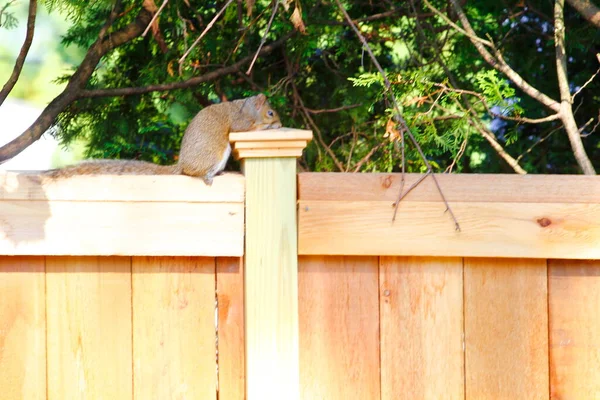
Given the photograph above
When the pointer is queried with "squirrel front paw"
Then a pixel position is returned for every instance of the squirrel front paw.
(208, 180)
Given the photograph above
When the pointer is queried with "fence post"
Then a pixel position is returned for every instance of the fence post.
(271, 261)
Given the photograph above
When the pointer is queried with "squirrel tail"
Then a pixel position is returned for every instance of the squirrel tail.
(113, 167)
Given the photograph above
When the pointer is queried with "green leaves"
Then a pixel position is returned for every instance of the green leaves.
(498, 92)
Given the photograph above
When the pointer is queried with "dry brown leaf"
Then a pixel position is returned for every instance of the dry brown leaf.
(150, 5)
(249, 7)
(286, 4)
(296, 19)
(391, 131)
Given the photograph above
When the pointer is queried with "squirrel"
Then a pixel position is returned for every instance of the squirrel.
(205, 146)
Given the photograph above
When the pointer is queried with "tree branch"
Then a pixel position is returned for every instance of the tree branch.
(481, 98)
(565, 95)
(14, 77)
(76, 82)
(183, 84)
(588, 10)
(333, 110)
(497, 61)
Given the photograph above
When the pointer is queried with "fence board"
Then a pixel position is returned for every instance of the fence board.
(22, 328)
(421, 302)
(339, 328)
(506, 329)
(174, 352)
(230, 295)
(574, 301)
(88, 306)
(506, 188)
(535, 230)
(121, 228)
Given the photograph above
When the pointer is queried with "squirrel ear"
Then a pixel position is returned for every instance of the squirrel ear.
(260, 100)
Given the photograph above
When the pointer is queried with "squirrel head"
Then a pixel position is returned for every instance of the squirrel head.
(264, 116)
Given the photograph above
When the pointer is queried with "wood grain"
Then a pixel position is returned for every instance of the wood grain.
(88, 311)
(174, 350)
(230, 296)
(226, 188)
(574, 301)
(121, 228)
(421, 301)
(271, 144)
(528, 230)
(271, 135)
(339, 328)
(22, 328)
(271, 152)
(506, 329)
(271, 280)
(507, 188)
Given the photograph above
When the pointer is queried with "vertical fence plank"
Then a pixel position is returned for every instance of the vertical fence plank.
(174, 343)
(89, 327)
(421, 300)
(339, 327)
(574, 301)
(506, 328)
(230, 295)
(22, 328)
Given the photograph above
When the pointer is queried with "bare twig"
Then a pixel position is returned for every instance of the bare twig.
(566, 104)
(461, 151)
(593, 128)
(333, 110)
(411, 187)
(264, 38)
(398, 114)
(541, 140)
(14, 77)
(156, 14)
(366, 158)
(210, 24)
(315, 127)
(470, 35)
(585, 84)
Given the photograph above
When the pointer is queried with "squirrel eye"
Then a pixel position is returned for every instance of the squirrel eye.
(270, 113)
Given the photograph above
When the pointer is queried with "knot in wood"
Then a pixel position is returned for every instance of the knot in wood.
(387, 182)
(544, 222)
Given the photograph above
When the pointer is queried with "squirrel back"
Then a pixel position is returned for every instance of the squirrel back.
(205, 145)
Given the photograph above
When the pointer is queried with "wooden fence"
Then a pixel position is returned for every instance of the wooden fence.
(158, 287)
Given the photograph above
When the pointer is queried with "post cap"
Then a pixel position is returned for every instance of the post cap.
(269, 143)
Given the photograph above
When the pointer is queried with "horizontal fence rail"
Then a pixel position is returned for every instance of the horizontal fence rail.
(121, 215)
(499, 216)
